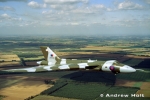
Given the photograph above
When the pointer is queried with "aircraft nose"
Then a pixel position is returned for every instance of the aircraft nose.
(127, 69)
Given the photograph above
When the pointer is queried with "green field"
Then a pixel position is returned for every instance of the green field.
(138, 76)
(88, 86)
(5, 83)
(46, 97)
(1, 97)
(84, 85)
(138, 84)
(89, 91)
(84, 91)
(133, 62)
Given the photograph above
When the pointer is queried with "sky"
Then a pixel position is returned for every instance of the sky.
(74, 17)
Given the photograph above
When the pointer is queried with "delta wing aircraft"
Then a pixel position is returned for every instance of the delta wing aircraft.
(53, 63)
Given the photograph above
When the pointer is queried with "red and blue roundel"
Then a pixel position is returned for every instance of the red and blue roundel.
(52, 55)
(112, 68)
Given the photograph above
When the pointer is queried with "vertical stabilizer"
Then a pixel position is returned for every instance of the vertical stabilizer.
(45, 53)
(49, 55)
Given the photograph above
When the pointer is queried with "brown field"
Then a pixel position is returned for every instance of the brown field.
(121, 82)
(145, 92)
(45, 97)
(82, 53)
(62, 53)
(31, 63)
(98, 55)
(145, 89)
(26, 87)
(102, 48)
(145, 85)
(11, 77)
(71, 53)
(134, 56)
(26, 77)
(9, 64)
(9, 60)
(9, 57)
(107, 49)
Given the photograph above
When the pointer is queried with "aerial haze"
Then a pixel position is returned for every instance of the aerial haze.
(74, 17)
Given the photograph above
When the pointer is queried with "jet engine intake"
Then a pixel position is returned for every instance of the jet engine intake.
(114, 69)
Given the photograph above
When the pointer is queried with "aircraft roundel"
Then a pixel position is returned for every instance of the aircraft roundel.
(112, 68)
(52, 55)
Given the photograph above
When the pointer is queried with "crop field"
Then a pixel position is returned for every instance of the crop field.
(138, 76)
(20, 87)
(10, 64)
(23, 89)
(133, 62)
(126, 83)
(9, 60)
(144, 86)
(88, 90)
(90, 85)
(46, 97)
(145, 89)
(72, 85)
(1, 97)
(82, 91)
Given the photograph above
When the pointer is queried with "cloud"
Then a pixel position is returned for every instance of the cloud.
(65, 4)
(63, 7)
(131, 22)
(66, 10)
(34, 4)
(75, 9)
(65, 1)
(147, 1)
(74, 23)
(99, 6)
(7, 8)
(13, 0)
(93, 9)
(9, 19)
(73, 14)
(5, 16)
(128, 5)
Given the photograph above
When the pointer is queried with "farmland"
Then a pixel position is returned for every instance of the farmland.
(45, 97)
(24, 52)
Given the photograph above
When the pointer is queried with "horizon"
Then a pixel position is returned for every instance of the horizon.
(77, 36)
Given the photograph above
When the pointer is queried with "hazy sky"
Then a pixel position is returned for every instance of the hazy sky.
(75, 17)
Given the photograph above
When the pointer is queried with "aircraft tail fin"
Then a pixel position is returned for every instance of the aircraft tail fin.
(49, 55)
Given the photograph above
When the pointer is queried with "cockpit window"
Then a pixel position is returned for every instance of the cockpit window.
(118, 63)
